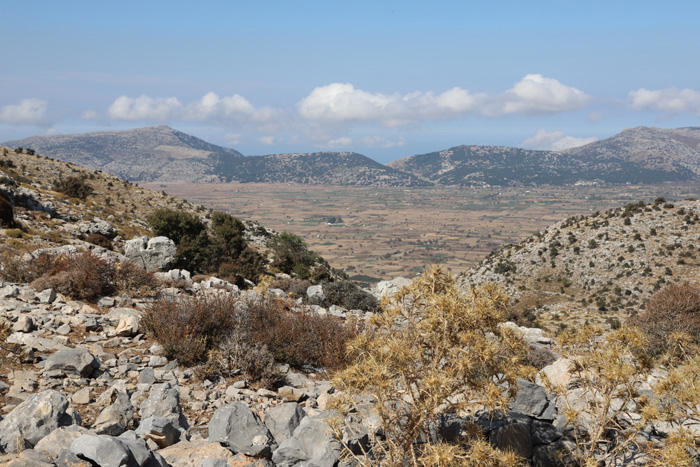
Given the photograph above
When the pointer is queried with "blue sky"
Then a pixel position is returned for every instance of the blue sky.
(383, 78)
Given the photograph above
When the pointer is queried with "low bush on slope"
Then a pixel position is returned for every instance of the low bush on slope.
(81, 276)
(219, 330)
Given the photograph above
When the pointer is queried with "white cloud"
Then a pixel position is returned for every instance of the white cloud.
(267, 140)
(343, 103)
(237, 107)
(52, 131)
(669, 101)
(27, 112)
(210, 108)
(535, 94)
(555, 141)
(144, 108)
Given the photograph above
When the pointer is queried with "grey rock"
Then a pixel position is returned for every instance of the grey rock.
(23, 324)
(147, 376)
(59, 439)
(82, 396)
(532, 400)
(105, 302)
(514, 437)
(28, 458)
(389, 288)
(114, 419)
(66, 458)
(164, 401)
(9, 291)
(241, 430)
(155, 361)
(544, 433)
(312, 444)
(104, 450)
(46, 296)
(315, 292)
(557, 454)
(160, 430)
(72, 362)
(33, 419)
(175, 275)
(283, 419)
(97, 226)
(128, 326)
(153, 254)
(63, 329)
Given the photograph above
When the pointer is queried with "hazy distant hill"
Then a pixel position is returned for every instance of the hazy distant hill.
(656, 149)
(164, 154)
(148, 154)
(637, 155)
(336, 168)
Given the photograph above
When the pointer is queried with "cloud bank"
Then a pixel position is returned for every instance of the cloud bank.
(27, 112)
(668, 101)
(532, 95)
(554, 141)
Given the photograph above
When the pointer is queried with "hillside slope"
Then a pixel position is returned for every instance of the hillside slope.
(141, 154)
(603, 267)
(163, 154)
(637, 155)
(334, 168)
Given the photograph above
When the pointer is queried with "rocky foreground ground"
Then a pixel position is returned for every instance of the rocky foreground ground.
(83, 385)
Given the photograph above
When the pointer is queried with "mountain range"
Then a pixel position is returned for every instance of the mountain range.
(636, 155)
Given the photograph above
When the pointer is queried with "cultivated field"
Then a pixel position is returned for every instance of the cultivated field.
(382, 233)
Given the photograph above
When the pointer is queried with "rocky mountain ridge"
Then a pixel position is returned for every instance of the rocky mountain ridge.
(636, 155)
(164, 154)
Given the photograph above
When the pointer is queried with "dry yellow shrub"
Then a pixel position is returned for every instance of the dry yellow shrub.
(434, 350)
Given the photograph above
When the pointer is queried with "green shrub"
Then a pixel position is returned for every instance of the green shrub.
(175, 225)
(348, 295)
(292, 255)
(74, 186)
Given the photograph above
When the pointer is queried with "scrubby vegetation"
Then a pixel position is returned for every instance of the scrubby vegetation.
(671, 318)
(82, 276)
(223, 251)
(292, 256)
(431, 343)
(219, 331)
(75, 186)
(348, 295)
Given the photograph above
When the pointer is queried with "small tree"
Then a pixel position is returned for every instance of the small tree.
(433, 351)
